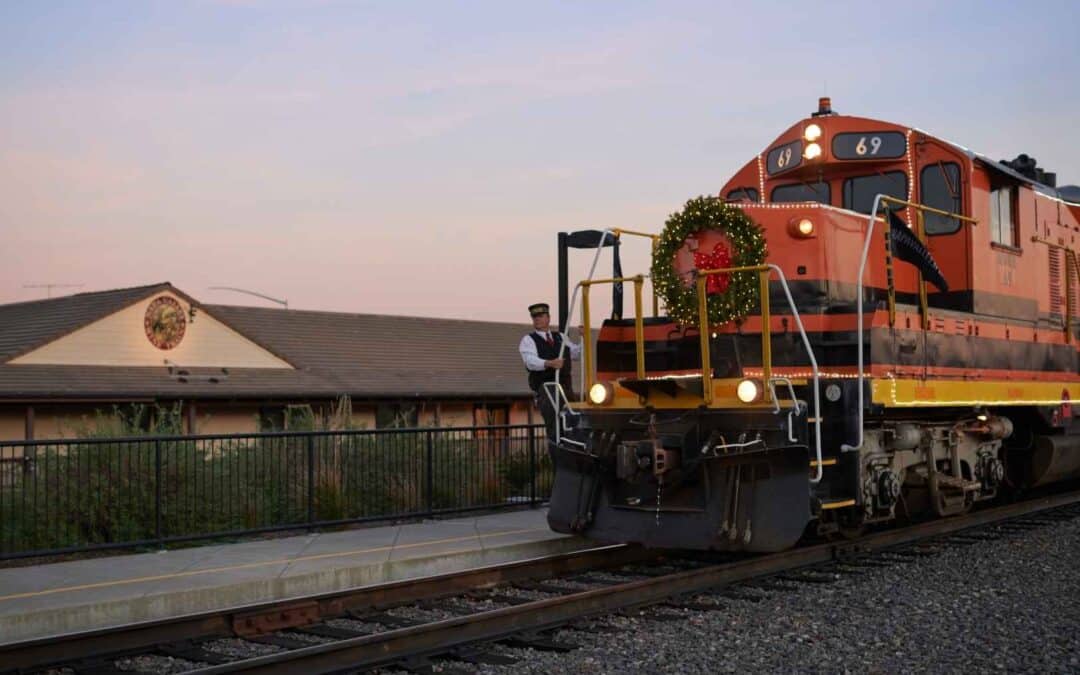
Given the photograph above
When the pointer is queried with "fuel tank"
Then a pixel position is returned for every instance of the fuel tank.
(1052, 459)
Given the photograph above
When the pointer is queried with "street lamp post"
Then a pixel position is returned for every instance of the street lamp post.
(284, 303)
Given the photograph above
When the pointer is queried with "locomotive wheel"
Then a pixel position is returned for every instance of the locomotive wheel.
(949, 503)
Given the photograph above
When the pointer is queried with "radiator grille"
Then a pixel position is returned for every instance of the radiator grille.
(1056, 265)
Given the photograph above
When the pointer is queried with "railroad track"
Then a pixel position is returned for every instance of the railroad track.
(471, 609)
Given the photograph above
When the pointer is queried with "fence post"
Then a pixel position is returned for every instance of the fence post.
(311, 479)
(430, 490)
(157, 492)
(29, 451)
(532, 460)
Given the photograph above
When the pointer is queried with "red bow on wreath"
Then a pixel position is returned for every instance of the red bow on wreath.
(718, 259)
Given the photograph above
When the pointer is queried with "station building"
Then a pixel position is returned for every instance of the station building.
(231, 369)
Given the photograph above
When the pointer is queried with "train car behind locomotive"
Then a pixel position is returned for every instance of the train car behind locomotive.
(869, 322)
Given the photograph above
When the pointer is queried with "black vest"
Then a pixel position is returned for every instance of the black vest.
(537, 378)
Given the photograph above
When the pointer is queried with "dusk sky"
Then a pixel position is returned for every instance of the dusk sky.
(419, 158)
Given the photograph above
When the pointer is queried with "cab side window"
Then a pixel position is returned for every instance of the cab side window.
(940, 189)
(1003, 215)
(743, 194)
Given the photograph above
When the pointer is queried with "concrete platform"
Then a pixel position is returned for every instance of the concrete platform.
(79, 595)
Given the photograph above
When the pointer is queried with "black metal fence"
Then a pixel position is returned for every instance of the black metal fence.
(78, 495)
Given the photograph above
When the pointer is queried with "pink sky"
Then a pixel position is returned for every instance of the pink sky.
(421, 161)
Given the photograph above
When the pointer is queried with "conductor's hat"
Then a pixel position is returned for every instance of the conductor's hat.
(538, 309)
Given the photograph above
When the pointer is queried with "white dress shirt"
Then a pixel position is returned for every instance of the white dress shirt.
(532, 360)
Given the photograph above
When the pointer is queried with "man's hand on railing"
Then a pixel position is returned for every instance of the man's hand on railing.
(554, 363)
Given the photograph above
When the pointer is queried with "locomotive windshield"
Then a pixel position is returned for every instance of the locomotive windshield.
(859, 191)
(802, 192)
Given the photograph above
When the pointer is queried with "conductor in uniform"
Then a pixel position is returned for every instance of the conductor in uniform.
(540, 351)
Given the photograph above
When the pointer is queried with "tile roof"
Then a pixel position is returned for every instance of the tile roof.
(362, 355)
(24, 326)
(26, 381)
(378, 354)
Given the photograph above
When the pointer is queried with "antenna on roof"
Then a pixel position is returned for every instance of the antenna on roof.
(284, 303)
(49, 287)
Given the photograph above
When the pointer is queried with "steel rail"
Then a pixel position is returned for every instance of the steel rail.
(441, 636)
(281, 614)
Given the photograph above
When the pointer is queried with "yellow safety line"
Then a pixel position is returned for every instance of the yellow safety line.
(262, 563)
(824, 462)
(831, 505)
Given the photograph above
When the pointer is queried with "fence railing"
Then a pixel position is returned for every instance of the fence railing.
(83, 494)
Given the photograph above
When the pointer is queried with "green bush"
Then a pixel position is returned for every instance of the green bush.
(105, 488)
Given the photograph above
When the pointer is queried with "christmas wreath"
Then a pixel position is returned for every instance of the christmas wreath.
(730, 296)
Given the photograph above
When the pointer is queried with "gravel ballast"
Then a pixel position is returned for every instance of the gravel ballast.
(1010, 605)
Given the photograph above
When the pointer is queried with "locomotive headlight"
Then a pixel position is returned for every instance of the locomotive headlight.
(812, 132)
(748, 391)
(601, 393)
(801, 227)
(812, 151)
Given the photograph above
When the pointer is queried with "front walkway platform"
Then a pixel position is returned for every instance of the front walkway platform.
(83, 594)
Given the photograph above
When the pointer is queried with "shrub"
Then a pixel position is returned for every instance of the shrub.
(104, 488)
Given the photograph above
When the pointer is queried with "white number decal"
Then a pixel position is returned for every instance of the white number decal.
(875, 145)
(783, 158)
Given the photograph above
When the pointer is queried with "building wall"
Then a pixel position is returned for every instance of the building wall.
(66, 421)
(363, 416)
(455, 414)
(120, 340)
(49, 421)
(218, 419)
(12, 425)
(519, 413)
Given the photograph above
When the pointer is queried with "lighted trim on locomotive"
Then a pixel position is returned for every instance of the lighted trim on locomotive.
(856, 392)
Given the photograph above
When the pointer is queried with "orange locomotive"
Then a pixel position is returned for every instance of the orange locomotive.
(742, 435)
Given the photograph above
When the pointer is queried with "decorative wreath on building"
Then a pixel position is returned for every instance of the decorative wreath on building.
(730, 296)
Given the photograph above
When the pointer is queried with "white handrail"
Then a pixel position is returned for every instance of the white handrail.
(555, 392)
(859, 322)
(573, 299)
(798, 322)
(813, 368)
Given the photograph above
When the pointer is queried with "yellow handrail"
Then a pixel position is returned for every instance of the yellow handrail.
(920, 234)
(931, 209)
(639, 326)
(763, 272)
(703, 335)
(704, 328)
(650, 235)
(872, 218)
(586, 341)
(924, 303)
(655, 240)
